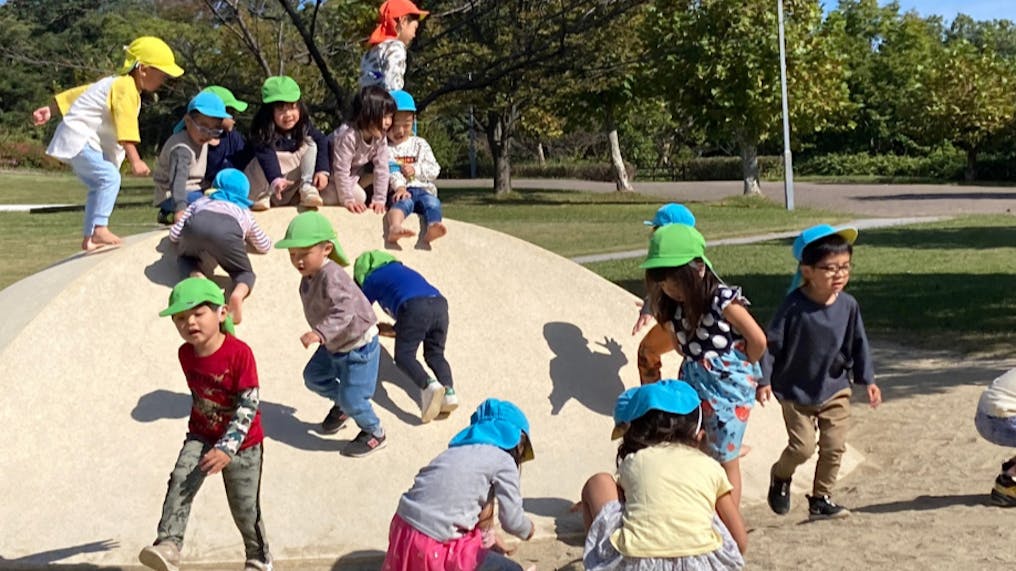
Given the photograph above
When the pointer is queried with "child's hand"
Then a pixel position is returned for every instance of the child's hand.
(178, 216)
(400, 194)
(279, 185)
(408, 170)
(386, 330)
(139, 168)
(874, 395)
(320, 180)
(355, 207)
(309, 338)
(642, 321)
(42, 115)
(763, 393)
(378, 207)
(214, 461)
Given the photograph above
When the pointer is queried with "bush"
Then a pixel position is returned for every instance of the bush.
(942, 164)
(713, 168)
(16, 154)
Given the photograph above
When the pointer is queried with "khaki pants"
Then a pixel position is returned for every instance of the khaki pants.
(833, 420)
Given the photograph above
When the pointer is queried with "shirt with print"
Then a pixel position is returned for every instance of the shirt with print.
(714, 335)
(385, 65)
(99, 115)
(415, 152)
(220, 384)
(336, 309)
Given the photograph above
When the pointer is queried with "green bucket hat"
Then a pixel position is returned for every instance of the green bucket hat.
(280, 88)
(367, 262)
(675, 245)
(310, 228)
(227, 97)
(191, 293)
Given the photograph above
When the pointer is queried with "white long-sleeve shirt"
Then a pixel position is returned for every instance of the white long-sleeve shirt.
(414, 151)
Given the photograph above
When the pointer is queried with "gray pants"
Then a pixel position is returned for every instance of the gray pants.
(242, 477)
(219, 237)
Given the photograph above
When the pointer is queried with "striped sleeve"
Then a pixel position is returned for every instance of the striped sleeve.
(256, 237)
(177, 228)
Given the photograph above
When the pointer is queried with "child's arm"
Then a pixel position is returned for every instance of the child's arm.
(654, 345)
(321, 169)
(138, 166)
(863, 371)
(377, 203)
(774, 351)
(256, 237)
(730, 515)
(60, 104)
(181, 221)
(343, 148)
(740, 319)
(222, 453)
(427, 167)
(509, 498)
(341, 289)
(125, 103)
(179, 171)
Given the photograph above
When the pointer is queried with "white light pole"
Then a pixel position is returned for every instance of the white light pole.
(788, 183)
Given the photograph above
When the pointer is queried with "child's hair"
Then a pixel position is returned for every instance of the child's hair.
(519, 450)
(659, 427)
(370, 106)
(819, 249)
(698, 292)
(263, 130)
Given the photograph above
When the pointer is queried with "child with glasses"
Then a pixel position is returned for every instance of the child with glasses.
(183, 161)
(816, 343)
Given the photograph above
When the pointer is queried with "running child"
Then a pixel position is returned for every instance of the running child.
(384, 64)
(421, 316)
(671, 506)
(413, 172)
(361, 142)
(444, 522)
(996, 422)
(817, 343)
(344, 367)
(719, 339)
(290, 163)
(100, 128)
(224, 432)
(221, 227)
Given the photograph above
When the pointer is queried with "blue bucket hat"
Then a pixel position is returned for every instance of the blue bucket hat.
(672, 213)
(668, 396)
(231, 185)
(497, 423)
(813, 234)
(209, 105)
(403, 100)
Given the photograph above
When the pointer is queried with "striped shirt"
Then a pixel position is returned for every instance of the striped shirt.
(252, 233)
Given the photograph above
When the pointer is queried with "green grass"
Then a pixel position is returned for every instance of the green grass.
(943, 285)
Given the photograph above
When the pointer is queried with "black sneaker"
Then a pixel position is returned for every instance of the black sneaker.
(1003, 493)
(821, 507)
(335, 420)
(166, 218)
(779, 495)
(364, 444)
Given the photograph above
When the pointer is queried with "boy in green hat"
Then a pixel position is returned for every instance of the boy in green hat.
(421, 316)
(224, 433)
(344, 367)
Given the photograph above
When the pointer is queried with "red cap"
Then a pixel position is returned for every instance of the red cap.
(389, 12)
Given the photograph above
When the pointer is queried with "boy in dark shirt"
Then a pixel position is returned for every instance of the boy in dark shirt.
(815, 339)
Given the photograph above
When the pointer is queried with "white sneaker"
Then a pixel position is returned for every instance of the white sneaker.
(451, 401)
(255, 565)
(310, 197)
(430, 401)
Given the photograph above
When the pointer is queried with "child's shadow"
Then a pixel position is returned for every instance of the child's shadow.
(279, 421)
(589, 377)
(389, 373)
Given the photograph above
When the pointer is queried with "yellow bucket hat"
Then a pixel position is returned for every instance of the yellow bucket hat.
(153, 52)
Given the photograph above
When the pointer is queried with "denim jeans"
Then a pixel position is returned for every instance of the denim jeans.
(103, 181)
(169, 205)
(421, 202)
(348, 380)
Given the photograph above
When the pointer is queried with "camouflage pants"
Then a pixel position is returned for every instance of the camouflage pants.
(242, 477)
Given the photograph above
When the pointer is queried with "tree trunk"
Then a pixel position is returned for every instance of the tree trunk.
(500, 129)
(541, 159)
(970, 173)
(620, 173)
(749, 167)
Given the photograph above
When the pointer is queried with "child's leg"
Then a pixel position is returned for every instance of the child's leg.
(599, 491)
(260, 187)
(357, 381)
(434, 340)
(321, 376)
(733, 470)
(431, 207)
(397, 214)
(230, 252)
(184, 483)
(103, 181)
(309, 195)
(833, 423)
(656, 343)
(410, 331)
(242, 478)
(800, 440)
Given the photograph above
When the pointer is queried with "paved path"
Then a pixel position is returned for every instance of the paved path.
(869, 200)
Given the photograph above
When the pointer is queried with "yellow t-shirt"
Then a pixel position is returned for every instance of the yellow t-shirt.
(999, 399)
(670, 499)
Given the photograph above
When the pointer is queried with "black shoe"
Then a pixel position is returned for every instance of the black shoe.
(821, 507)
(166, 218)
(1003, 494)
(779, 495)
(334, 421)
(364, 444)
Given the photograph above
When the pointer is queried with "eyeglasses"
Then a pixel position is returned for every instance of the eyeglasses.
(833, 271)
(213, 133)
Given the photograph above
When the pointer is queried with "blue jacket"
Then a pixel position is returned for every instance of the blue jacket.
(230, 153)
(393, 284)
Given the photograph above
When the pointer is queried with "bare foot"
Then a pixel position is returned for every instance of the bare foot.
(240, 293)
(435, 231)
(102, 235)
(396, 233)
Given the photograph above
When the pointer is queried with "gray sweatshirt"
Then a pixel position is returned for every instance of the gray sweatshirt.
(337, 310)
(448, 494)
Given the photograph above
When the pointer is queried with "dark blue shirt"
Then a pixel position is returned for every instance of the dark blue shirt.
(230, 153)
(269, 161)
(813, 348)
(393, 284)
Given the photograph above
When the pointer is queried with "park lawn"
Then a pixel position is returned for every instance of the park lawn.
(941, 285)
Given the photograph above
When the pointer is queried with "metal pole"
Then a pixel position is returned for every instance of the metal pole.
(472, 140)
(788, 164)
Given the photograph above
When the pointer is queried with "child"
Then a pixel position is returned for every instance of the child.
(421, 316)
(344, 367)
(443, 522)
(384, 64)
(221, 226)
(224, 433)
(183, 162)
(291, 154)
(100, 128)
(362, 141)
(413, 171)
(996, 423)
(719, 339)
(657, 341)
(671, 507)
(816, 340)
(229, 151)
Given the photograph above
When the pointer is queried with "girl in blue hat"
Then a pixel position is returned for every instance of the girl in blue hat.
(443, 523)
(671, 506)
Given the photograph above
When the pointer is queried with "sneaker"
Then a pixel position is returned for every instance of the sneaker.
(166, 218)
(430, 401)
(255, 565)
(364, 444)
(1003, 493)
(779, 495)
(335, 420)
(821, 507)
(162, 557)
(310, 197)
(451, 401)
(262, 204)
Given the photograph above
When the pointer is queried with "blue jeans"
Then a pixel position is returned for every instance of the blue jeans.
(169, 205)
(348, 380)
(103, 181)
(421, 202)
